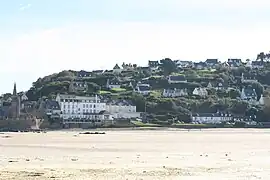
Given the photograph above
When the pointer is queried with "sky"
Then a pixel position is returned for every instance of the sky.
(38, 37)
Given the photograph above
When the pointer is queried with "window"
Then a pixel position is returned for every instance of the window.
(90, 105)
(94, 106)
(83, 105)
(86, 105)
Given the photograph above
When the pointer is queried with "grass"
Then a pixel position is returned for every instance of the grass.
(104, 92)
(118, 89)
(141, 124)
(155, 94)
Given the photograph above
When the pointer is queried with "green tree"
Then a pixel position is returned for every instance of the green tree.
(168, 66)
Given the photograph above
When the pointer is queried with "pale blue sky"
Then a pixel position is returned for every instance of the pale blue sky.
(39, 37)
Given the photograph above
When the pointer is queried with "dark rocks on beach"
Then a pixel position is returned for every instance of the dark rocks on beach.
(92, 133)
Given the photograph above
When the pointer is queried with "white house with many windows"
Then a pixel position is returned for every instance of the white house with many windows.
(122, 109)
(80, 107)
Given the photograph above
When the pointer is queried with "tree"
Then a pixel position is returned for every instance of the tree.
(168, 66)
(261, 56)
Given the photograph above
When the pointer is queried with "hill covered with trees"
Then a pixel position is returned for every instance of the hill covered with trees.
(164, 109)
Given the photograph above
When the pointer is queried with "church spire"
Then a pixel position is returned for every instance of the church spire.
(14, 90)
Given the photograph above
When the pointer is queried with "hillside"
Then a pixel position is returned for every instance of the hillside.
(163, 108)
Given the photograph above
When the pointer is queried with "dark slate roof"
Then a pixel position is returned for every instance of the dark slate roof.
(120, 102)
(234, 61)
(219, 114)
(200, 64)
(97, 71)
(249, 92)
(79, 84)
(116, 67)
(257, 63)
(83, 73)
(211, 61)
(153, 63)
(249, 76)
(51, 104)
(103, 112)
(144, 88)
(177, 78)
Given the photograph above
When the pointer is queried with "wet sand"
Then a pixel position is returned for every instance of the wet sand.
(218, 154)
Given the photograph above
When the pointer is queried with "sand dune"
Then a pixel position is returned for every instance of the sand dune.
(162, 154)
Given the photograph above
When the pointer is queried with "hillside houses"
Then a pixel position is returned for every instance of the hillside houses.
(174, 92)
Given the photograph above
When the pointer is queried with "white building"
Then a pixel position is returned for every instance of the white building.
(174, 92)
(143, 89)
(122, 109)
(202, 92)
(80, 107)
(113, 84)
(209, 118)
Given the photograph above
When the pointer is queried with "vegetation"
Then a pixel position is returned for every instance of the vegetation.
(165, 110)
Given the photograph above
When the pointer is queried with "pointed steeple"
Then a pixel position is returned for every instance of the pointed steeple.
(14, 90)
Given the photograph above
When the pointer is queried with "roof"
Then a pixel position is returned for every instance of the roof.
(104, 112)
(257, 63)
(177, 77)
(97, 71)
(51, 104)
(120, 102)
(211, 61)
(153, 63)
(219, 114)
(69, 96)
(200, 64)
(234, 60)
(83, 73)
(250, 92)
(116, 67)
(144, 88)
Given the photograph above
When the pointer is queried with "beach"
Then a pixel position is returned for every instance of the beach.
(173, 154)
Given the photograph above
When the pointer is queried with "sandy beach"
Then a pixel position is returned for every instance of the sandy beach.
(237, 154)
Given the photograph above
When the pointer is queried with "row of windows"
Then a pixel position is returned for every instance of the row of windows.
(84, 106)
(77, 101)
(68, 118)
(76, 112)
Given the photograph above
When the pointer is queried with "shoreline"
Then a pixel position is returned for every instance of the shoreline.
(104, 129)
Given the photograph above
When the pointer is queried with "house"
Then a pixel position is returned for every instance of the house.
(200, 65)
(212, 118)
(234, 63)
(52, 109)
(173, 79)
(248, 78)
(184, 64)
(211, 62)
(143, 89)
(257, 64)
(174, 92)
(78, 86)
(153, 65)
(122, 109)
(248, 94)
(97, 72)
(217, 85)
(23, 96)
(199, 91)
(80, 107)
(83, 74)
(117, 69)
(113, 84)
